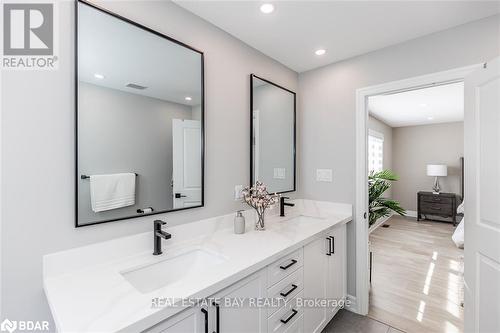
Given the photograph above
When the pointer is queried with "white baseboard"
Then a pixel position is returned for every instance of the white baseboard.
(351, 304)
(411, 213)
(378, 223)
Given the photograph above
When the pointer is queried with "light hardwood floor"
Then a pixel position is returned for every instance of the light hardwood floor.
(417, 283)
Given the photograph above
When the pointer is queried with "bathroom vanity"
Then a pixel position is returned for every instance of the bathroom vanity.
(208, 279)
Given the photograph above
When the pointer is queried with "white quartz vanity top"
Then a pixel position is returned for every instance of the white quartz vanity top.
(87, 292)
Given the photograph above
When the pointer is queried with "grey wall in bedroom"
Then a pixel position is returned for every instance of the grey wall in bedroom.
(386, 130)
(126, 132)
(327, 104)
(416, 146)
(38, 148)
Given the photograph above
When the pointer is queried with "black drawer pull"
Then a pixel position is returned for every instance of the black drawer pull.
(285, 294)
(332, 244)
(205, 312)
(294, 312)
(329, 252)
(293, 262)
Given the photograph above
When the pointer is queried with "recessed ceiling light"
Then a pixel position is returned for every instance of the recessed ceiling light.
(423, 105)
(187, 98)
(99, 76)
(267, 8)
(320, 52)
(430, 118)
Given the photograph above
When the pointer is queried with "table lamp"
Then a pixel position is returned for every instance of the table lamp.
(437, 170)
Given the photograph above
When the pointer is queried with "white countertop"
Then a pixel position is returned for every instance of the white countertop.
(87, 292)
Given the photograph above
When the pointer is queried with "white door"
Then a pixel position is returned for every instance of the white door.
(231, 318)
(482, 199)
(186, 164)
(315, 281)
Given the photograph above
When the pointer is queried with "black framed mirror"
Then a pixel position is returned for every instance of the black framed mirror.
(139, 120)
(272, 135)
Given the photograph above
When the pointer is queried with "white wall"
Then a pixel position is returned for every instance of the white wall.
(415, 147)
(38, 147)
(142, 121)
(327, 103)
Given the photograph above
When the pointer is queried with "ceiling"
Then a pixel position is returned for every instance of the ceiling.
(295, 29)
(125, 54)
(439, 104)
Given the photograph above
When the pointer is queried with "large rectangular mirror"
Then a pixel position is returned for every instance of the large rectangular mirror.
(272, 151)
(139, 120)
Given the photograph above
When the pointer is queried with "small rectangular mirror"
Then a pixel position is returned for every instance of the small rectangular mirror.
(139, 120)
(272, 151)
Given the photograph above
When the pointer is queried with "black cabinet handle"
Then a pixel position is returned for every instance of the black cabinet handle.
(332, 244)
(205, 312)
(285, 294)
(293, 262)
(329, 253)
(294, 312)
(178, 196)
(217, 317)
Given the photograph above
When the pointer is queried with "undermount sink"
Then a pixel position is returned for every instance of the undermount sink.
(156, 275)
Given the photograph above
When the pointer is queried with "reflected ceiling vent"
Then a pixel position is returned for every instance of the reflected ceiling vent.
(135, 86)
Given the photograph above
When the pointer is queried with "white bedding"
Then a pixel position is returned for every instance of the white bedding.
(458, 234)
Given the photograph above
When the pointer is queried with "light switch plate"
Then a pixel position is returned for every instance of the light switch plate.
(279, 173)
(324, 175)
(237, 192)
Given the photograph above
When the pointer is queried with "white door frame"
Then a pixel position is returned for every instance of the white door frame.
(360, 304)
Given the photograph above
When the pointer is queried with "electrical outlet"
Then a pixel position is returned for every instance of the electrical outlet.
(237, 192)
(324, 175)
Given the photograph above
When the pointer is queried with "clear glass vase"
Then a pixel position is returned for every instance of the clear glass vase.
(259, 225)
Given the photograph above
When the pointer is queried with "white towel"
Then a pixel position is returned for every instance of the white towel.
(112, 191)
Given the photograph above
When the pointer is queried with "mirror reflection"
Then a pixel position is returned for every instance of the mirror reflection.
(273, 135)
(139, 120)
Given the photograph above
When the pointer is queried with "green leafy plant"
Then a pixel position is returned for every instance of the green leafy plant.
(378, 183)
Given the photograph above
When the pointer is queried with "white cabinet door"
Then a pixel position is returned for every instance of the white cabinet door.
(315, 277)
(336, 278)
(233, 319)
(191, 320)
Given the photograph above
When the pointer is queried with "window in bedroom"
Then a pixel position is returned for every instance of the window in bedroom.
(375, 151)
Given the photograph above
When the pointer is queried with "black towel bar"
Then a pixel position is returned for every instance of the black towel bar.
(88, 177)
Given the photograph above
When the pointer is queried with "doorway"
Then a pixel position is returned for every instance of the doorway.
(362, 299)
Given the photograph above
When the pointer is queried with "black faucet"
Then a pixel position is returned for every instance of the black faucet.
(283, 204)
(158, 235)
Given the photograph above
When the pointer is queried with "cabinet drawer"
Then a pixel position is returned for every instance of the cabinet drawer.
(284, 266)
(436, 208)
(286, 289)
(297, 326)
(285, 318)
(436, 199)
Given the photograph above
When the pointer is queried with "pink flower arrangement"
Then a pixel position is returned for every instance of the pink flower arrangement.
(257, 197)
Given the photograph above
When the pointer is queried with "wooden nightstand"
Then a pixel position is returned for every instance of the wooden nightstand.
(442, 205)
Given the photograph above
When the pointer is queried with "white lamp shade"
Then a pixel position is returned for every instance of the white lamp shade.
(437, 170)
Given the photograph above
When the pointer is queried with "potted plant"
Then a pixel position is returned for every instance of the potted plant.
(378, 183)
